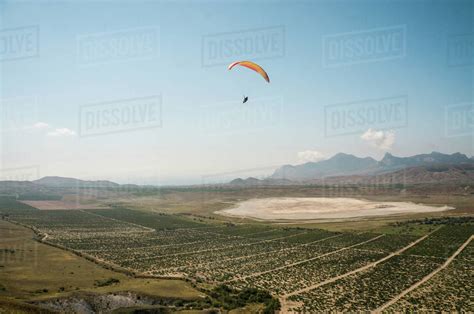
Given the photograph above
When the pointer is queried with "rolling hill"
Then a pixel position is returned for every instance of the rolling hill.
(72, 182)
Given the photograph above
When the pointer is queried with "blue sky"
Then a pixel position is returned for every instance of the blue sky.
(202, 128)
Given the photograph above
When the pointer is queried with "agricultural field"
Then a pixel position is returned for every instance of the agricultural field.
(32, 271)
(448, 291)
(371, 288)
(307, 269)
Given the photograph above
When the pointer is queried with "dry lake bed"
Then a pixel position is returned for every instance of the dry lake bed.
(298, 208)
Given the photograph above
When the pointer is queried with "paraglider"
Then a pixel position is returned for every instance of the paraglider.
(253, 66)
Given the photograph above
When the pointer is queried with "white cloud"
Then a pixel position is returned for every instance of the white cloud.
(62, 132)
(310, 155)
(40, 125)
(379, 139)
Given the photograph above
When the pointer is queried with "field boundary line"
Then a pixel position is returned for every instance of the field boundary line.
(146, 247)
(102, 263)
(426, 278)
(306, 260)
(157, 245)
(221, 248)
(260, 232)
(355, 271)
(258, 254)
(118, 220)
(281, 250)
(284, 237)
(224, 236)
(255, 239)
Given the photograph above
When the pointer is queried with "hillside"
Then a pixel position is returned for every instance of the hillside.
(439, 173)
(339, 164)
(349, 165)
(72, 182)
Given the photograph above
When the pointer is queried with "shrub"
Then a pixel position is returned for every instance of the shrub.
(106, 282)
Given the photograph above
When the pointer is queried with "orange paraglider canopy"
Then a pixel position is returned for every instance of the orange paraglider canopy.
(253, 66)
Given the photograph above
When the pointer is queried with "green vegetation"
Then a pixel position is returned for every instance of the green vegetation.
(32, 196)
(9, 205)
(438, 221)
(229, 299)
(158, 221)
(448, 291)
(444, 241)
(40, 271)
(234, 264)
(106, 282)
(8, 306)
(370, 289)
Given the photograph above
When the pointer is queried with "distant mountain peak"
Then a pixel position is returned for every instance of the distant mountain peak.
(341, 155)
(337, 164)
(342, 164)
(237, 181)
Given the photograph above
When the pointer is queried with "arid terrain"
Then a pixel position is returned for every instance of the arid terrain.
(361, 248)
(323, 208)
(62, 204)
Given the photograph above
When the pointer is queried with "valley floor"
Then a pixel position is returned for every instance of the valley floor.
(423, 264)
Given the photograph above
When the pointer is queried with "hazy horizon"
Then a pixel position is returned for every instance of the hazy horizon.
(208, 178)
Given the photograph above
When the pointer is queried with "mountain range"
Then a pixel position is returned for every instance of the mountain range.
(52, 187)
(342, 167)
